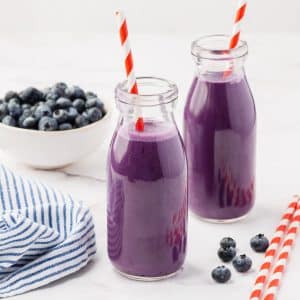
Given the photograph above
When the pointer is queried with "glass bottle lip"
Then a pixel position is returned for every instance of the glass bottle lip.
(153, 91)
(215, 47)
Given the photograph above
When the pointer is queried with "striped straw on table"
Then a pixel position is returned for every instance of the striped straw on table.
(280, 265)
(44, 234)
(272, 251)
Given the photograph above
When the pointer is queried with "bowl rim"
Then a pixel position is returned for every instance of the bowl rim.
(59, 132)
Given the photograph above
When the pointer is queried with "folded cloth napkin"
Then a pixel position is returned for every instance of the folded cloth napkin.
(44, 234)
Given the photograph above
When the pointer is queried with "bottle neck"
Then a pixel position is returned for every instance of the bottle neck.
(220, 70)
(156, 113)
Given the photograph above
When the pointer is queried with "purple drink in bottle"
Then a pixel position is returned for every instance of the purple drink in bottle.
(220, 132)
(147, 185)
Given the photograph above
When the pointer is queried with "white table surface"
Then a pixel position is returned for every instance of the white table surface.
(94, 62)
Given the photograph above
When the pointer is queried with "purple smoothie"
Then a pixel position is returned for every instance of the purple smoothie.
(219, 134)
(147, 200)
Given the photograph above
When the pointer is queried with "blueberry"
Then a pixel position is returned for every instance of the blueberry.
(9, 120)
(242, 263)
(47, 124)
(29, 122)
(25, 106)
(81, 121)
(227, 254)
(79, 104)
(90, 95)
(65, 126)
(227, 242)
(14, 109)
(60, 115)
(75, 92)
(59, 89)
(3, 110)
(51, 103)
(26, 113)
(14, 100)
(63, 102)
(11, 94)
(31, 95)
(94, 102)
(42, 110)
(94, 114)
(259, 243)
(221, 274)
(52, 95)
(72, 114)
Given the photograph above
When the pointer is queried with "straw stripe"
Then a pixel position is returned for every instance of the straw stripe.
(239, 16)
(281, 263)
(44, 236)
(129, 66)
(272, 251)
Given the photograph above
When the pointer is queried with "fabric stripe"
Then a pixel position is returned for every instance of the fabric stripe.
(44, 234)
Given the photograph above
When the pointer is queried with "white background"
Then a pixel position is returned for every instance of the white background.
(151, 16)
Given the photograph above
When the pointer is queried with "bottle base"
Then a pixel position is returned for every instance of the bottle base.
(221, 221)
(147, 278)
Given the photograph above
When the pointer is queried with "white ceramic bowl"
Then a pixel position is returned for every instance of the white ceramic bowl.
(53, 149)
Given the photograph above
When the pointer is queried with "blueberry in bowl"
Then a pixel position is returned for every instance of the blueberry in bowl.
(35, 123)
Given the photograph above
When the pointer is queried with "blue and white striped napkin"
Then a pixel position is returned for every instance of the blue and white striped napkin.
(44, 234)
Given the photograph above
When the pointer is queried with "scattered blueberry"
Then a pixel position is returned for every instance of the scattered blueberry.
(60, 115)
(259, 243)
(227, 242)
(221, 274)
(81, 121)
(242, 263)
(63, 102)
(42, 110)
(227, 254)
(94, 114)
(65, 126)
(9, 120)
(48, 124)
(11, 94)
(79, 104)
(31, 95)
(14, 109)
(51, 103)
(29, 122)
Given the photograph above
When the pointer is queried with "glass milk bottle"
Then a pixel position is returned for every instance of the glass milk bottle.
(147, 184)
(220, 132)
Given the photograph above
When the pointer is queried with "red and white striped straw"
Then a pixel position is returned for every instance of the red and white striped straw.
(273, 249)
(281, 263)
(128, 61)
(239, 17)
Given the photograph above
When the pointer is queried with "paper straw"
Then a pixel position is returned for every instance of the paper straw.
(239, 17)
(129, 67)
(272, 251)
(281, 263)
(235, 35)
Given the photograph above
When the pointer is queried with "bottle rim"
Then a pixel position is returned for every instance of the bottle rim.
(153, 91)
(215, 47)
